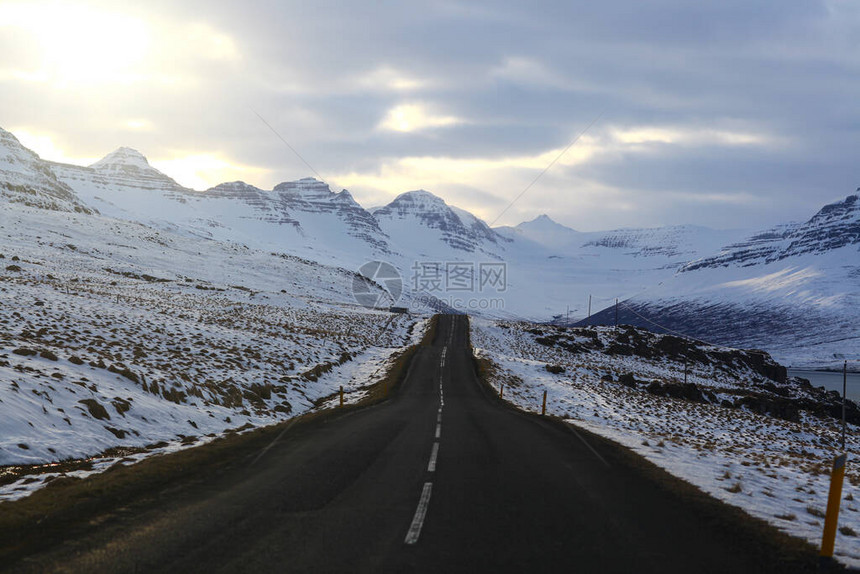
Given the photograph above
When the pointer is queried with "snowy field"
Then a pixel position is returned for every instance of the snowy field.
(775, 469)
(120, 340)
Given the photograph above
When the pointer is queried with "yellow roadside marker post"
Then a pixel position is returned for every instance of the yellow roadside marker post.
(501, 389)
(543, 408)
(833, 501)
(341, 395)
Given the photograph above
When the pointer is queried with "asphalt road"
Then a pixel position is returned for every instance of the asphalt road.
(443, 477)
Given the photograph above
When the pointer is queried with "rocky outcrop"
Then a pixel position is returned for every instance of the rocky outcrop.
(26, 178)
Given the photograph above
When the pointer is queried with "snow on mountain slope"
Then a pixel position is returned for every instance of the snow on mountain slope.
(26, 178)
(303, 218)
(118, 334)
(794, 290)
(676, 245)
(569, 267)
(550, 270)
(422, 223)
(834, 226)
(544, 231)
(329, 218)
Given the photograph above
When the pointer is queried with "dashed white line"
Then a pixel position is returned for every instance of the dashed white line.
(420, 513)
(438, 429)
(439, 417)
(431, 467)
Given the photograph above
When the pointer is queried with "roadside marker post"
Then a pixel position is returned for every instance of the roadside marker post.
(833, 501)
(341, 395)
(501, 389)
(543, 408)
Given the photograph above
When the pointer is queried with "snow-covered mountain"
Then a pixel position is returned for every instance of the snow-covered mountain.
(572, 268)
(675, 245)
(550, 270)
(303, 217)
(793, 290)
(544, 231)
(25, 178)
(786, 280)
(420, 222)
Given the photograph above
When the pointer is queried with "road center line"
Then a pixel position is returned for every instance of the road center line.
(438, 429)
(431, 467)
(420, 513)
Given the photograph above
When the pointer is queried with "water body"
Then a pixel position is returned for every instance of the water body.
(831, 381)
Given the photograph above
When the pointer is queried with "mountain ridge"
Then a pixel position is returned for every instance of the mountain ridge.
(683, 275)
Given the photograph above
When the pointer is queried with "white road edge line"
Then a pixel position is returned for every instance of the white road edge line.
(420, 513)
(591, 448)
(431, 467)
(276, 439)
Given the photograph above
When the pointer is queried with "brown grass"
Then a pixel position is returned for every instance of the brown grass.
(50, 514)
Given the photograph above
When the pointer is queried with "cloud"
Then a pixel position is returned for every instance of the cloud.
(201, 171)
(689, 136)
(212, 43)
(532, 73)
(141, 124)
(77, 44)
(46, 146)
(415, 117)
(717, 113)
(389, 79)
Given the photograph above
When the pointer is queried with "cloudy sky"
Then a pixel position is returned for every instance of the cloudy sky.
(721, 113)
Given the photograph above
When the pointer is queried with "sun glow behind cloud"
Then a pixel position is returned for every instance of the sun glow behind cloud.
(82, 46)
(78, 44)
(415, 117)
(201, 171)
(45, 145)
(688, 136)
(508, 175)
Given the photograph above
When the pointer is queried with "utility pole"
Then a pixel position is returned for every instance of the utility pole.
(844, 393)
(589, 306)
(686, 352)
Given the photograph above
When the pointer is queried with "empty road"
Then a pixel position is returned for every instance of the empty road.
(442, 477)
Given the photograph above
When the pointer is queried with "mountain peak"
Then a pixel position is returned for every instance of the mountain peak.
(542, 221)
(123, 156)
(306, 187)
(419, 198)
(834, 226)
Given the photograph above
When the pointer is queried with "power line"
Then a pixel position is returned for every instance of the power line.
(286, 143)
(547, 168)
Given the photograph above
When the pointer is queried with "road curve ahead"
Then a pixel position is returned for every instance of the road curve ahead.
(443, 477)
